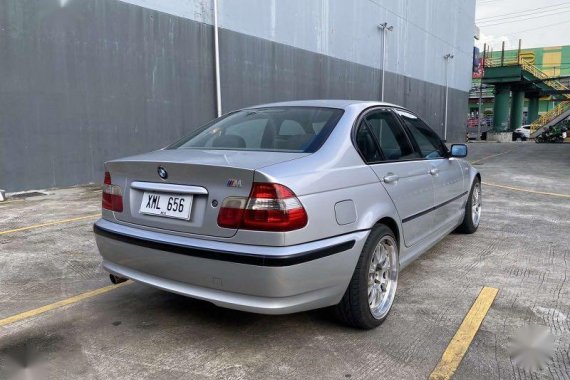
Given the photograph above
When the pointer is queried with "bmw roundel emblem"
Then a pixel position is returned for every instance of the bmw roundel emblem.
(162, 172)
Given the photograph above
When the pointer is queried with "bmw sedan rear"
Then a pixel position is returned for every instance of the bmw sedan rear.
(227, 215)
(275, 209)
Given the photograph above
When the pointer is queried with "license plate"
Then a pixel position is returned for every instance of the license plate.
(167, 205)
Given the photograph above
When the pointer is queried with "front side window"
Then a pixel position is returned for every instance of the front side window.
(286, 129)
(429, 143)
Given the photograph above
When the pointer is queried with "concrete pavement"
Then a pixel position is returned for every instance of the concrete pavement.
(137, 332)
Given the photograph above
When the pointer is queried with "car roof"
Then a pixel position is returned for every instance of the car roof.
(330, 103)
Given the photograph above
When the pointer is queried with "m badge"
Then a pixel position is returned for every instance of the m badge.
(232, 182)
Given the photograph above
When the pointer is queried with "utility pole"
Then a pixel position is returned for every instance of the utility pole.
(385, 29)
(217, 62)
(481, 92)
(447, 57)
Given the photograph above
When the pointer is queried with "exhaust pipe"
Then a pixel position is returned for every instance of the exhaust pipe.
(116, 279)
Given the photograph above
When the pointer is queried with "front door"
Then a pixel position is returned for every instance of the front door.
(447, 172)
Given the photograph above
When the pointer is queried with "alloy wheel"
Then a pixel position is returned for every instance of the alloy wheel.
(383, 277)
(476, 204)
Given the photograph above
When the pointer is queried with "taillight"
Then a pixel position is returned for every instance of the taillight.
(112, 195)
(270, 207)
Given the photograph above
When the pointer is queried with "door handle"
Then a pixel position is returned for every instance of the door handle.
(391, 178)
(434, 171)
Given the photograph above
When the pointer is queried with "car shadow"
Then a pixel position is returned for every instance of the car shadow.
(205, 313)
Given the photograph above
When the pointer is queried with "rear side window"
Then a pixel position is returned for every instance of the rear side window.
(287, 129)
(429, 143)
(386, 131)
(366, 144)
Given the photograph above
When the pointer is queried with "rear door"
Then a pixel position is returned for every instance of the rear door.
(447, 173)
(385, 146)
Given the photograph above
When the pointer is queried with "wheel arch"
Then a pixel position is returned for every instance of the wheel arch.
(471, 175)
(392, 225)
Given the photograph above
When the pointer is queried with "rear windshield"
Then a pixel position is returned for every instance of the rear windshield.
(278, 129)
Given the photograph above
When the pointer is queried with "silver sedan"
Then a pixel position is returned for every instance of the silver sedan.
(288, 207)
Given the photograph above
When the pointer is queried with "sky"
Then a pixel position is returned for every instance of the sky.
(538, 23)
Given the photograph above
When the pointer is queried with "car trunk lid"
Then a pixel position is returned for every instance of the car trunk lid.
(206, 176)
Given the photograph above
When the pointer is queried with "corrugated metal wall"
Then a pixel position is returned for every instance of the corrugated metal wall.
(94, 80)
(84, 81)
(424, 30)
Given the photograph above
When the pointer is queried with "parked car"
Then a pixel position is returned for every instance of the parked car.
(288, 207)
(473, 128)
(522, 133)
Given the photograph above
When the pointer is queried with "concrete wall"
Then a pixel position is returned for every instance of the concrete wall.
(424, 30)
(84, 81)
(276, 72)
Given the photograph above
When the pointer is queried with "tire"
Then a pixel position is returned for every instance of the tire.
(359, 307)
(472, 216)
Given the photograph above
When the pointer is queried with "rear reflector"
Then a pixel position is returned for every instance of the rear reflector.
(112, 195)
(107, 178)
(231, 212)
(270, 207)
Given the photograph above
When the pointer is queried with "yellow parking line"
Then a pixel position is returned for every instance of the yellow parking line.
(526, 190)
(49, 224)
(68, 301)
(464, 336)
(491, 156)
(8, 202)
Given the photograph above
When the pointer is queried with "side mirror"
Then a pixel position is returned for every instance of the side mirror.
(459, 150)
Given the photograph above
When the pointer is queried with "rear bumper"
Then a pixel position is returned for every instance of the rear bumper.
(269, 280)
